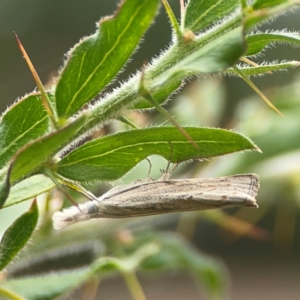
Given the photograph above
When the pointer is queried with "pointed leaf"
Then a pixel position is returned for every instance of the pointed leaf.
(258, 41)
(96, 60)
(265, 69)
(25, 121)
(17, 235)
(32, 155)
(28, 189)
(111, 157)
(201, 14)
(267, 9)
(259, 4)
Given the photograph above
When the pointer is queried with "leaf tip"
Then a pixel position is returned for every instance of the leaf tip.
(33, 206)
(258, 149)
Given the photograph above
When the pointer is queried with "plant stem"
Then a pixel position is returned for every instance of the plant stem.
(127, 122)
(134, 285)
(173, 20)
(10, 294)
(257, 90)
(147, 95)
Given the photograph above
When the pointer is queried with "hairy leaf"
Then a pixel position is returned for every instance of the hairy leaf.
(54, 285)
(111, 157)
(28, 189)
(23, 122)
(96, 60)
(215, 56)
(32, 155)
(45, 287)
(267, 9)
(258, 41)
(264, 69)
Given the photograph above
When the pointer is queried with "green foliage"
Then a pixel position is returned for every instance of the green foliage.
(5, 187)
(111, 157)
(258, 41)
(25, 121)
(29, 188)
(202, 14)
(30, 148)
(259, 4)
(94, 62)
(45, 287)
(17, 235)
(32, 156)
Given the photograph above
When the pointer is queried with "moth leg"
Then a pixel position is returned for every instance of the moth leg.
(166, 174)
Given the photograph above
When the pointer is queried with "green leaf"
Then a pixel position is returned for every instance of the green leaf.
(28, 189)
(201, 14)
(25, 121)
(258, 41)
(216, 56)
(264, 69)
(5, 187)
(259, 4)
(111, 264)
(95, 61)
(54, 285)
(44, 287)
(266, 10)
(111, 157)
(32, 155)
(17, 235)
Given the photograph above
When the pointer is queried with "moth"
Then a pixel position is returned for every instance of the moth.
(165, 196)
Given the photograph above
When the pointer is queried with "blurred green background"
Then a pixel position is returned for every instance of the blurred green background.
(263, 260)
